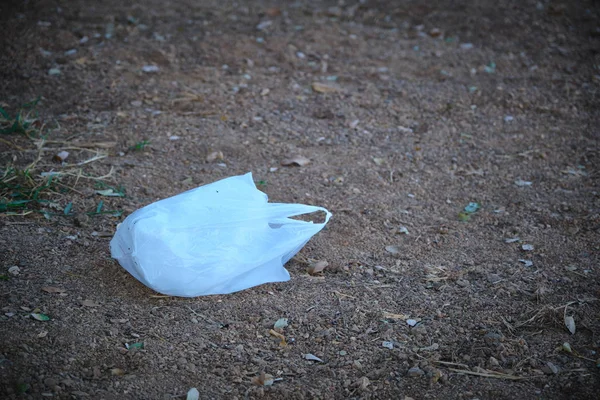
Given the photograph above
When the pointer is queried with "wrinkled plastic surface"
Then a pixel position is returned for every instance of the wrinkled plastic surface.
(216, 239)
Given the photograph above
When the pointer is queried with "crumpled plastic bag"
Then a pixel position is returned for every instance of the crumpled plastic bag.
(216, 239)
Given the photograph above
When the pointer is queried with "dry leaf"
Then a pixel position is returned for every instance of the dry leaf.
(392, 249)
(323, 88)
(299, 161)
(99, 145)
(215, 155)
(273, 11)
(263, 379)
(362, 383)
(570, 324)
(117, 372)
(280, 323)
(90, 303)
(61, 156)
(193, 394)
(52, 289)
(40, 317)
(279, 336)
(317, 267)
(388, 315)
(312, 357)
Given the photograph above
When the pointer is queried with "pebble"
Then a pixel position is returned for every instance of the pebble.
(462, 282)
(493, 337)
(550, 368)
(466, 46)
(14, 270)
(493, 278)
(136, 103)
(494, 362)
(53, 71)
(415, 372)
(150, 68)
(50, 382)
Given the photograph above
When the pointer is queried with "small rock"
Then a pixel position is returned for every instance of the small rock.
(550, 368)
(14, 270)
(508, 118)
(527, 247)
(264, 25)
(466, 46)
(54, 71)
(493, 278)
(50, 382)
(136, 103)
(493, 338)
(362, 383)
(493, 362)
(150, 68)
(392, 249)
(527, 263)
(462, 282)
(411, 322)
(388, 345)
(81, 220)
(522, 183)
(415, 372)
(435, 32)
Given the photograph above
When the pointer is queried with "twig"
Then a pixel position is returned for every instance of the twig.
(488, 374)
(344, 295)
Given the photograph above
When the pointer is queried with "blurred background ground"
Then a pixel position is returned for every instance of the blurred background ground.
(456, 145)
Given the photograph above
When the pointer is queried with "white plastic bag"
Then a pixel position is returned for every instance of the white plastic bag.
(215, 239)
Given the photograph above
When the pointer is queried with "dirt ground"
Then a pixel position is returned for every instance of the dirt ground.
(408, 112)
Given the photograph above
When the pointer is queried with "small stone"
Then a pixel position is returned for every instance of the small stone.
(462, 282)
(264, 25)
(392, 249)
(527, 247)
(550, 368)
(493, 338)
(14, 270)
(411, 322)
(415, 372)
(150, 68)
(54, 71)
(136, 103)
(493, 362)
(493, 278)
(362, 383)
(466, 46)
(50, 382)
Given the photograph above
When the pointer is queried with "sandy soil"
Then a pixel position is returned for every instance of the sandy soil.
(408, 112)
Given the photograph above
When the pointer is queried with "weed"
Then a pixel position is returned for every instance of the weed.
(25, 121)
(37, 187)
(139, 146)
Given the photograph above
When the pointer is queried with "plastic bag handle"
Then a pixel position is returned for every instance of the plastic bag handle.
(282, 210)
